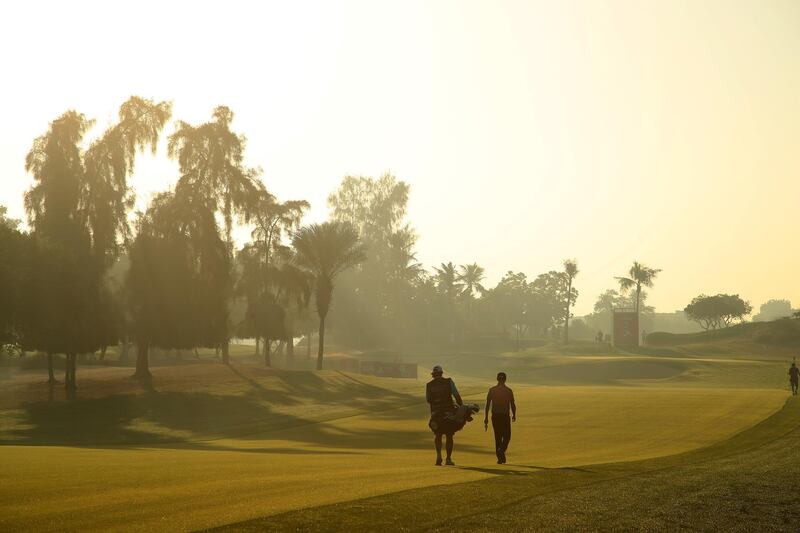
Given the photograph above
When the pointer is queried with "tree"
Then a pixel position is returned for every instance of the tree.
(607, 301)
(570, 271)
(375, 207)
(639, 276)
(470, 277)
(178, 284)
(509, 301)
(211, 160)
(548, 294)
(273, 220)
(5, 222)
(78, 209)
(213, 177)
(15, 258)
(106, 197)
(773, 309)
(258, 282)
(380, 293)
(448, 285)
(65, 279)
(713, 312)
(325, 250)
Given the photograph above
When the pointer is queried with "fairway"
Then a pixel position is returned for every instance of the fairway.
(210, 446)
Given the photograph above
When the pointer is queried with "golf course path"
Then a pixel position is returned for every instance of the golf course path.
(748, 482)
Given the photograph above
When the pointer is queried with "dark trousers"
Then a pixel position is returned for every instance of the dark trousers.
(501, 423)
(794, 387)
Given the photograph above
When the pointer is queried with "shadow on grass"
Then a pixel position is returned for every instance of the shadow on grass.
(202, 420)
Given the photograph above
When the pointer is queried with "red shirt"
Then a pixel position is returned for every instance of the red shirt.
(501, 397)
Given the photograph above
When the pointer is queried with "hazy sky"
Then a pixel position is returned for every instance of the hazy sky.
(530, 132)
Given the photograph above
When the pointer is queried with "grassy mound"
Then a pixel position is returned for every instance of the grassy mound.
(783, 333)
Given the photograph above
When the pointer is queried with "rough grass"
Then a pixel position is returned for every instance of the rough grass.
(205, 445)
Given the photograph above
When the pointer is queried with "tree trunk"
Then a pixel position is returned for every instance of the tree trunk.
(566, 319)
(142, 361)
(226, 360)
(267, 352)
(258, 345)
(69, 372)
(289, 351)
(51, 377)
(103, 352)
(321, 342)
(308, 344)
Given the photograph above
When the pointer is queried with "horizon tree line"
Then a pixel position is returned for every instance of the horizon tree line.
(182, 274)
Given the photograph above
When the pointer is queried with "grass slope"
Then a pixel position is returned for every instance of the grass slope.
(745, 483)
(210, 445)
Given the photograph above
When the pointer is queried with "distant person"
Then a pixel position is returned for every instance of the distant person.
(440, 393)
(644, 337)
(794, 377)
(599, 337)
(501, 401)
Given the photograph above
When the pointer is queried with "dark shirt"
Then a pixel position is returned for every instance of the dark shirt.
(794, 373)
(439, 392)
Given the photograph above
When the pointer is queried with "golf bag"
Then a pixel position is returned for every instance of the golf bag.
(453, 420)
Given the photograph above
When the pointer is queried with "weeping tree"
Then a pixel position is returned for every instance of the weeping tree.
(105, 194)
(324, 251)
(211, 161)
(77, 208)
(177, 261)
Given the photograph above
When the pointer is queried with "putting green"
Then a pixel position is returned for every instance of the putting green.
(328, 449)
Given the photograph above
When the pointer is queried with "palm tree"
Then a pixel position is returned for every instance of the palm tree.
(447, 283)
(570, 271)
(470, 277)
(639, 276)
(325, 250)
(447, 280)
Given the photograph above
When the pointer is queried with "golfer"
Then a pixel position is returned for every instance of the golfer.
(501, 401)
(794, 377)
